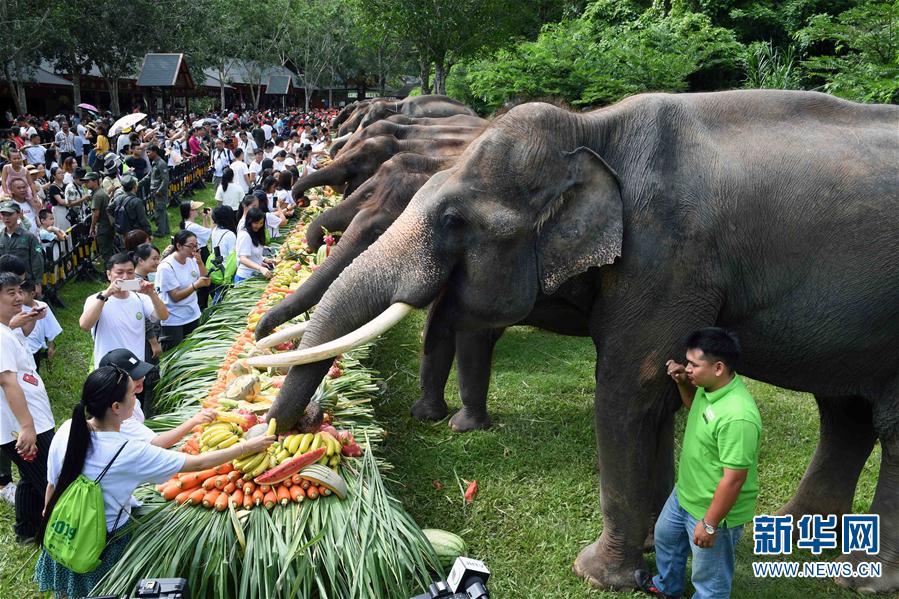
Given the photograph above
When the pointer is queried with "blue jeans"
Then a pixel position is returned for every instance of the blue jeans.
(713, 568)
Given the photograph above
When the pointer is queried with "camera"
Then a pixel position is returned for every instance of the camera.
(156, 588)
(467, 580)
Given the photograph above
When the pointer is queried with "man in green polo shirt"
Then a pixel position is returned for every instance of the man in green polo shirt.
(717, 478)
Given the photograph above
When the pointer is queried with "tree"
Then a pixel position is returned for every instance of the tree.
(24, 30)
(70, 46)
(860, 55)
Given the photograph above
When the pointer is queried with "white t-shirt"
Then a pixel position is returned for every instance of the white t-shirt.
(33, 224)
(199, 230)
(170, 275)
(272, 224)
(121, 141)
(47, 328)
(246, 248)
(230, 197)
(15, 357)
(122, 325)
(221, 159)
(138, 463)
(225, 240)
(284, 195)
(35, 154)
(267, 130)
(134, 427)
(240, 169)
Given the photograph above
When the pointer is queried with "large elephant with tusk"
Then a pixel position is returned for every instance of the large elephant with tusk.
(771, 213)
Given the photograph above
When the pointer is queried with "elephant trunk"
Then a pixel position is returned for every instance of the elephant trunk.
(312, 290)
(333, 174)
(337, 218)
(397, 271)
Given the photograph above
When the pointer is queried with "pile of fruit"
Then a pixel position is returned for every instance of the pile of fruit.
(331, 527)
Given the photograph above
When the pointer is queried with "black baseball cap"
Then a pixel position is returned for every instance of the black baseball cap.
(127, 361)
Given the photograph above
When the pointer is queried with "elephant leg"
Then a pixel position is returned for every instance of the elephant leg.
(474, 359)
(845, 442)
(886, 505)
(663, 477)
(432, 376)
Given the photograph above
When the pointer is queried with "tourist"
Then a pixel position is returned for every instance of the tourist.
(49, 232)
(178, 278)
(15, 171)
(20, 242)
(65, 142)
(190, 211)
(159, 189)
(115, 316)
(135, 238)
(26, 419)
(229, 193)
(74, 194)
(241, 171)
(251, 247)
(221, 159)
(93, 441)
(46, 329)
(34, 151)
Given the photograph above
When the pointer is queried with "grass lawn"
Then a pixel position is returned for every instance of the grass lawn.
(538, 503)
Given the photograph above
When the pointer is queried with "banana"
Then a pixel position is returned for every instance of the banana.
(253, 463)
(217, 438)
(272, 426)
(334, 461)
(331, 443)
(282, 455)
(305, 442)
(261, 467)
(324, 460)
(228, 442)
(214, 433)
(293, 443)
(217, 426)
(316, 442)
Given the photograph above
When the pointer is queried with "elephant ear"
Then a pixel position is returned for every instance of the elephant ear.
(582, 226)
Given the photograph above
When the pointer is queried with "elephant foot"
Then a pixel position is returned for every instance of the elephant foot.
(425, 409)
(464, 420)
(887, 582)
(601, 569)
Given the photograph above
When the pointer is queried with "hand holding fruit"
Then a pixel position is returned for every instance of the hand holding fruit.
(204, 416)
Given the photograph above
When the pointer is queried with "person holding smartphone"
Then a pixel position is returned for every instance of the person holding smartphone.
(116, 316)
(179, 276)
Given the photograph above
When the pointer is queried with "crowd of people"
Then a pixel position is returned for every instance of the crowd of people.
(56, 173)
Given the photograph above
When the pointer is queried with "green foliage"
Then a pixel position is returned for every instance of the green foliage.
(860, 57)
(767, 67)
(610, 52)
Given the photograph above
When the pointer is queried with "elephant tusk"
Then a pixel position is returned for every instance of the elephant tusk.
(287, 334)
(370, 330)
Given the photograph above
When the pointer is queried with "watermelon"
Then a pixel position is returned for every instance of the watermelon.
(289, 467)
(447, 546)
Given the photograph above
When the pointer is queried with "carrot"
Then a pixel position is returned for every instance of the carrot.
(306, 484)
(283, 495)
(170, 492)
(296, 479)
(193, 479)
(237, 498)
(221, 503)
(210, 497)
(196, 497)
(248, 501)
(297, 494)
(270, 500)
(209, 483)
(229, 488)
(265, 488)
(258, 497)
(324, 491)
(234, 475)
(240, 483)
(182, 496)
(221, 480)
(312, 492)
(224, 468)
(249, 487)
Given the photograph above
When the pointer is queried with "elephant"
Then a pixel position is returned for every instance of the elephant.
(354, 117)
(396, 126)
(346, 112)
(354, 168)
(770, 213)
(415, 106)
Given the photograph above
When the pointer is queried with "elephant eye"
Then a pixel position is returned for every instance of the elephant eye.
(451, 220)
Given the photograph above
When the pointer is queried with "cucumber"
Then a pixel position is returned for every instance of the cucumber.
(447, 546)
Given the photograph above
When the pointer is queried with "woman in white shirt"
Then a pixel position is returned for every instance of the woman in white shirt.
(273, 220)
(222, 242)
(250, 247)
(229, 193)
(93, 444)
(178, 278)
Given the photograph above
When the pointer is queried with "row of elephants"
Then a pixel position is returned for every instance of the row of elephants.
(774, 214)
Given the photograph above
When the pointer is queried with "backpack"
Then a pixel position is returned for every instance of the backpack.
(76, 532)
(225, 274)
(119, 216)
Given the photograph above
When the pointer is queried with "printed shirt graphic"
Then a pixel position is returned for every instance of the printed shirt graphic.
(723, 431)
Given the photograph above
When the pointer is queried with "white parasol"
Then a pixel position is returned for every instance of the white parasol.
(129, 120)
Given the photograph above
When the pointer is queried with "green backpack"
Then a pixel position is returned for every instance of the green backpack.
(76, 533)
(216, 276)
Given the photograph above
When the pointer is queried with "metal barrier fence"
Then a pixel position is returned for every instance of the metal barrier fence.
(72, 257)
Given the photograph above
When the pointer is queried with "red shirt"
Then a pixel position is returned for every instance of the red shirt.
(194, 145)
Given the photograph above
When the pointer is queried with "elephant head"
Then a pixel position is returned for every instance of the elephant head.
(547, 208)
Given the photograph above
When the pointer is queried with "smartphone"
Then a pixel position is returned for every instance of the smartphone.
(129, 284)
